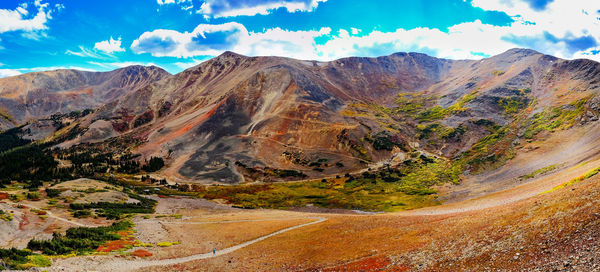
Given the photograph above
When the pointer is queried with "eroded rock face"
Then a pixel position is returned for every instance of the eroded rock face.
(38, 95)
(321, 118)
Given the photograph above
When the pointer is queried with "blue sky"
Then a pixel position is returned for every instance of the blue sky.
(38, 35)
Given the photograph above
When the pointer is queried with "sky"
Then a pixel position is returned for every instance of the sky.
(38, 35)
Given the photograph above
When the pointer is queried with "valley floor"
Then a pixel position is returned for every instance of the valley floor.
(515, 230)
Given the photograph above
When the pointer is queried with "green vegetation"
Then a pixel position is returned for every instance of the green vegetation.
(26, 163)
(34, 163)
(429, 130)
(154, 164)
(437, 112)
(76, 241)
(82, 214)
(38, 261)
(412, 103)
(167, 244)
(433, 114)
(52, 192)
(561, 117)
(583, 177)
(512, 105)
(112, 210)
(384, 141)
(80, 240)
(5, 216)
(10, 139)
(407, 186)
(540, 171)
(498, 72)
(22, 259)
(269, 174)
(34, 196)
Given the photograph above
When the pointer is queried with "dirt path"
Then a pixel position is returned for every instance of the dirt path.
(129, 265)
(50, 214)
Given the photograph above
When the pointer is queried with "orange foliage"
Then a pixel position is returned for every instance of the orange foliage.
(114, 245)
(141, 253)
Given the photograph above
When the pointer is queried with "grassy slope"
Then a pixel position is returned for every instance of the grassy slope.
(542, 230)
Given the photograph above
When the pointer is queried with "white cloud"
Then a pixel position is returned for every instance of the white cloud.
(9, 72)
(115, 65)
(183, 4)
(565, 28)
(279, 42)
(457, 43)
(51, 68)
(232, 8)
(205, 39)
(18, 19)
(87, 53)
(210, 40)
(109, 46)
(19, 71)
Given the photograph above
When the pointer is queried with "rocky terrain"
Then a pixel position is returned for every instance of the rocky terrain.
(290, 114)
(508, 145)
(38, 95)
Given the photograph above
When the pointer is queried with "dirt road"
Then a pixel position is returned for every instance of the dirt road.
(129, 265)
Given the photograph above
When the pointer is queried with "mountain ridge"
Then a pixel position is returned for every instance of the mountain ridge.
(285, 114)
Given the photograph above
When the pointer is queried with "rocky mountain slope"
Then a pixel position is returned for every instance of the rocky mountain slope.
(236, 118)
(38, 95)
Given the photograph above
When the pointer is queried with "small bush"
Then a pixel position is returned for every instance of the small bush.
(82, 214)
(33, 196)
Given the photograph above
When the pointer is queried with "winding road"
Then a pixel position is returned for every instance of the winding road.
(129, 265)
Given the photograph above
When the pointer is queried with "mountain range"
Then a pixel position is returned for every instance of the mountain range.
(236, 119)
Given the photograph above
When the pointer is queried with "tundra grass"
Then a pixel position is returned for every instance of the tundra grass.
(556, 118)
(583, 177)
(540, 171)
(408, 186)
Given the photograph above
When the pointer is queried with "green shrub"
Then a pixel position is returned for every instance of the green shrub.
(33, 195)
(82, 214)
(154, 164)
(52, 192)
(79, 240)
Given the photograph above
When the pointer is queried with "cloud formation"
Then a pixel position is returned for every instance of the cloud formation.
(20, 18)
(109, 46)
(210, 40)
(88, 53)
(9, 72)
(232, 8)
(183, 4)
(565, 28)
(558, 27)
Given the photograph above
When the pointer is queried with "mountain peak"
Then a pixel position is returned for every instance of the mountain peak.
(230, 54)
(520, 52)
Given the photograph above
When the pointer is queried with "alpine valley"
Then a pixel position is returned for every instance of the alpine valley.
(396, 163)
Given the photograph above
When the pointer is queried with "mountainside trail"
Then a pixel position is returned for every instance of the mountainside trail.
(130, 265)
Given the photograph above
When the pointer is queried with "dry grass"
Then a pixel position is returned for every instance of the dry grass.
(489, 238)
